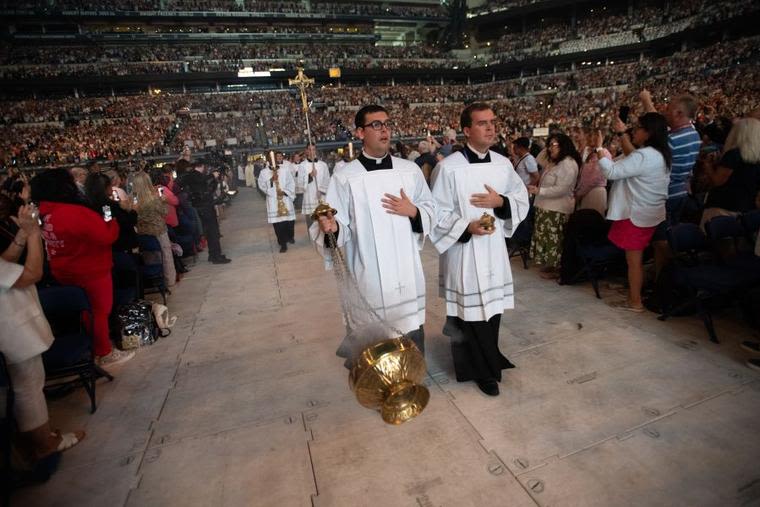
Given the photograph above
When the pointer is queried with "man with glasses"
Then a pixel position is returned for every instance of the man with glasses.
(384, 211)
(475, 270)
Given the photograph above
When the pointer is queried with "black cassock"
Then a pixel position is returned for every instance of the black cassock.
(475, 349)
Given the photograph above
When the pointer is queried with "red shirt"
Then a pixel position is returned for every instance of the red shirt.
(78, 241)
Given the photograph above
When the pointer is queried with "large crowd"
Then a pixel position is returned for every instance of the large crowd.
(61, 131)
(264, 6)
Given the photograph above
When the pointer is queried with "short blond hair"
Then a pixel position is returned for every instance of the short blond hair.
(745, 135)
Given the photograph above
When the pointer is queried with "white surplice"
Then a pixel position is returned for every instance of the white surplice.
(287, 185)
(475, 277)
(381, 249)
(315, 189)
(339, 165)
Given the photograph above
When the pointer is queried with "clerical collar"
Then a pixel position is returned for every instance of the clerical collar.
(475, 157)
(372, 163)
(312, 161)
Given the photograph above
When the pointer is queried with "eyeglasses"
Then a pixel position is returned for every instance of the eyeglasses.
(553, 145)
(379, 125)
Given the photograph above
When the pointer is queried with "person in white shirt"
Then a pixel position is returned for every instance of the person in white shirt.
(24, 335)
(638, 195)
(525, 164)
(474, 263)
(384, 211)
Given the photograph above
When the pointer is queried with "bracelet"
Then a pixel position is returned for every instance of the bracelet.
(620, 134)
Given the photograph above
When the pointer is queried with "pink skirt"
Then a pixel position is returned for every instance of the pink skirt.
(624, 234)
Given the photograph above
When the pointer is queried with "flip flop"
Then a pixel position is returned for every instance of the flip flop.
(623, 305)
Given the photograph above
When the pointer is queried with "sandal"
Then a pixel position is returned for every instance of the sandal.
(68, 440)
(624, 305)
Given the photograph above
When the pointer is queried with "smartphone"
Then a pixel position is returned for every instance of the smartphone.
(107, 213)
(623, 113)
(160, 191)
(115, 195)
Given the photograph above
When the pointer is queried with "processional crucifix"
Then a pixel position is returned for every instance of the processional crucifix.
(302, 82)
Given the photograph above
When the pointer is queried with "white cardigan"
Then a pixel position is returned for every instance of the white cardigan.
(555, 190)
(640, 188)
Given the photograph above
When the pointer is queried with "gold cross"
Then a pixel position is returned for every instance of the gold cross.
(302, 82)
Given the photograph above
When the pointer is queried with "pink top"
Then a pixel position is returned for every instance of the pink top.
(590, 176)
(173, 202)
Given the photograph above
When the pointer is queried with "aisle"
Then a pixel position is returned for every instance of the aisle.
(246, 403)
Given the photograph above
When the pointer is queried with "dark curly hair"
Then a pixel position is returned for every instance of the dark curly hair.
(566, 149)
(56, 185)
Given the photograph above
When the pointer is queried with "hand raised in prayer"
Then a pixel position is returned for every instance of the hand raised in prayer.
(327, 223)
(490, 199)
(402, 206)
(645, 96)
(476, 228)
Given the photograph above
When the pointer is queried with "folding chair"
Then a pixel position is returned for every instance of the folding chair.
(70, 361)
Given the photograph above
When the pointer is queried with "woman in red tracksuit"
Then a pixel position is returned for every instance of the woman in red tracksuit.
(78, 243)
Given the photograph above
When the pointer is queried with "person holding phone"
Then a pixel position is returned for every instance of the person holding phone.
(638, 195)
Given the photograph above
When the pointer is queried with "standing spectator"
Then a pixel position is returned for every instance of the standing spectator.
(684, 142)
(554, 202)
(525, 163)
(591, 189)
(637, 198)
(199, 187)
(151, 220)
(24, 336)
(78, 242)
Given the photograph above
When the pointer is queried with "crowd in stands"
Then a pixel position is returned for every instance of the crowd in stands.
(266, 6)
(725, 79)
(600, 30)
(25, 62)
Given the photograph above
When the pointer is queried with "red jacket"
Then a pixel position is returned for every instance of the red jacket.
(78, 240)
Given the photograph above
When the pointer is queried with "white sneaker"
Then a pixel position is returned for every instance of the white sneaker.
(115, 357)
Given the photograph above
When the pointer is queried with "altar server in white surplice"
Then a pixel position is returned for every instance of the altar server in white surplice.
(315, 178)
(476, 279)
(384, 211)
(268, 182)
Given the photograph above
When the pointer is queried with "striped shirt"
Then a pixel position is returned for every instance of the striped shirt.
(684, 145)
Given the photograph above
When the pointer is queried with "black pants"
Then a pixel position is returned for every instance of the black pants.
(211, 230)
(284, 231)
(475, 349)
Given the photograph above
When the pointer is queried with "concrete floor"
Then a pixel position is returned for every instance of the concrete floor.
(246, 404)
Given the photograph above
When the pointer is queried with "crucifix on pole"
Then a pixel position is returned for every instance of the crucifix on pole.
(302, 82)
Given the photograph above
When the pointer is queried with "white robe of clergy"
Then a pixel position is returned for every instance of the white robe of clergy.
(297, 176)
(339, 165)
(315, 189)
(288, 187)
(249, 176)
(475, 277)
(381, 249)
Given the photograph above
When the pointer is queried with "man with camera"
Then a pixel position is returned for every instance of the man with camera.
(200, 186)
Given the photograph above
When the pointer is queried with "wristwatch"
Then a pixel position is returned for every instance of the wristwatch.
(620, 134)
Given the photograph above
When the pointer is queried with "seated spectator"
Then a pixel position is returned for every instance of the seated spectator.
(734, 181)
(554, 202)
(151, 220)
(24, 336)
(638, 195)
(78, 242)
